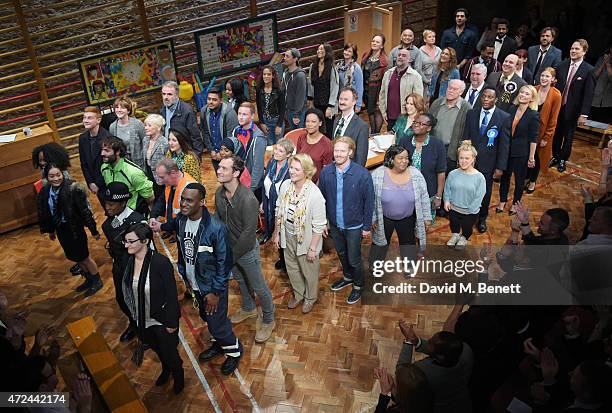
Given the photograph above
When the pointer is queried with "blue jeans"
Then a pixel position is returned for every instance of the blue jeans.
(348, 247)
(247, 271)
(299, 114)
(271, 125)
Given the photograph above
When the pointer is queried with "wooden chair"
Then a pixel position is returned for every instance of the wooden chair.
(107, 373)
(295, 134)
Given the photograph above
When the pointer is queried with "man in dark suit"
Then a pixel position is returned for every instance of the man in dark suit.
(543, 56)
(485, 58)
(90, 151)
(488, 128)
(477, 78)
(507, 82)
(576, 82)
(504, 44)
(351, 125)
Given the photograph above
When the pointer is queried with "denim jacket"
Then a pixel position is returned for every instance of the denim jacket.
(214, 262)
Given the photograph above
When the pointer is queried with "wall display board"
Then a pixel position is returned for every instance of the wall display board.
(235, 46)
(129, 71)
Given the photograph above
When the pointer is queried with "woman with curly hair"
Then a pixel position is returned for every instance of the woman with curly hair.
(63, 211)
(53, 153)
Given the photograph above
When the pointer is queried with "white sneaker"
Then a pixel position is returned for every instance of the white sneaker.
(453, 240)
(461, 243)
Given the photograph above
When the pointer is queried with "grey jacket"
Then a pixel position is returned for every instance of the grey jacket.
(241, 216)
(254, 158)
(295, 86)
(448, 384)
(134, 143)
(457, 135)
(159, 152)
(228, 121)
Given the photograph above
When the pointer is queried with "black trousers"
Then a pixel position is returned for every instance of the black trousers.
(462, 223)
(518, 167)
(486, 201)
(219, 326)
(404, 228)
(165, 345)
(118, 271)
(533, 173)
(564, 136)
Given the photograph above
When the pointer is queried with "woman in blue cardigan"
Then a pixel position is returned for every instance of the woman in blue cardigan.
(445, 71)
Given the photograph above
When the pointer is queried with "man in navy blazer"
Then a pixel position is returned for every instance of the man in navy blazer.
(543, 56)
(576, 82)
(348, 123)
(488, 127)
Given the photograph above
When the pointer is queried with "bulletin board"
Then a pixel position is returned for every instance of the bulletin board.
(129, 71)
(236, 46)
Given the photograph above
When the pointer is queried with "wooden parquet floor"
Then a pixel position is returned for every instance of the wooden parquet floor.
(321, 362)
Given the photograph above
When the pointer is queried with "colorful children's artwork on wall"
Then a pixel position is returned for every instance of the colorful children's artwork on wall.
(129, 71)
(236, 46)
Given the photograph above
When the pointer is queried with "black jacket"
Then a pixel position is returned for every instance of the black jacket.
(494, 156)
(580, 94)
(115, 246)
(525, 133)
(72, 203)
(277, 105)
(164, 305)
(91, 159)
(184, 117)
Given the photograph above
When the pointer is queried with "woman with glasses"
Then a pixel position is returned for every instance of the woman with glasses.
(149, 291)
(428, 155)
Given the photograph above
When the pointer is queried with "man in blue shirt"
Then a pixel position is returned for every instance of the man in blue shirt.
(217, 121)
(460, 37)
(349, 201)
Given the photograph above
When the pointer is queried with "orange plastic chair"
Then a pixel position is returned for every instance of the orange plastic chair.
(295, 134)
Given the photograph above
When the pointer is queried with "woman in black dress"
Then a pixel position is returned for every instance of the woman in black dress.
(149, 291)
(374, 64)
(63, 211)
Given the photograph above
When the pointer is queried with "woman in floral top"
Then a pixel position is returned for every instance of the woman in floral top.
(180, 151)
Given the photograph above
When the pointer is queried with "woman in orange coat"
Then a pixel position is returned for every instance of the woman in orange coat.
(549, 104)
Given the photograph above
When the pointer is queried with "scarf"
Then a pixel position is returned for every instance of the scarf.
(179, 158)
(348, 69)
(128, 295)
(270, 205)
(245, 138)
(299, 216)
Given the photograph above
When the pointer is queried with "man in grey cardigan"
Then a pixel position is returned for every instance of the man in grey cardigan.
(239, 210)
(448, 367)
(295, 86)
(450, 112)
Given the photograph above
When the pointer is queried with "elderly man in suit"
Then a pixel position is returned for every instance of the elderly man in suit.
(488, 127)
(504, 44)
(576, 82)
(543, 56)
(507, 82)
(478, 74)
(351, 125)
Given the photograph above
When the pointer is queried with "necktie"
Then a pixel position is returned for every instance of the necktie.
(485, 122)
(569, 83)
(472, 96)
(339, 128)
(537, 66)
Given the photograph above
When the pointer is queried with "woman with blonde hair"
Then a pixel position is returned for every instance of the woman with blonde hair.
(430, 56)
(300, 222)
(129, 129)
(464, 190)
(154, 147)
(443, 72)
(549, 105)
(415, 107)
(523, 144)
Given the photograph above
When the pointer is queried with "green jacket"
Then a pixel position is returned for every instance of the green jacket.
(130, 174)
